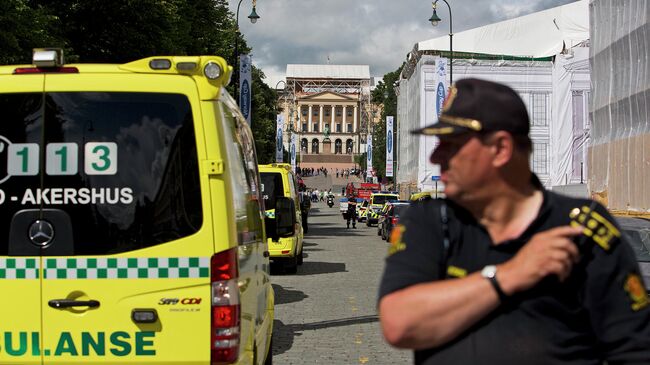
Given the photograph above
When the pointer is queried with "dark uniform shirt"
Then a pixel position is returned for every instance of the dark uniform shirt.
(600, 312)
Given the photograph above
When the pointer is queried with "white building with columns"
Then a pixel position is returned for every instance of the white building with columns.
(325, 106)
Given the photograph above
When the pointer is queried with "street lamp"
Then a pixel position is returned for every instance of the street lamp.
(253, 18)
(434, 21)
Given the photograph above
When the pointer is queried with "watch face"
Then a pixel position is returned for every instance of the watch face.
(489, 271)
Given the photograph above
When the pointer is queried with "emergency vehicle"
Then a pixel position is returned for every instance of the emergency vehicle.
(377, 201)
(131, 219)
(278, 180)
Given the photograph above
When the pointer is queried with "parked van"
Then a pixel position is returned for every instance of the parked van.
(279, 181)
(131, 219)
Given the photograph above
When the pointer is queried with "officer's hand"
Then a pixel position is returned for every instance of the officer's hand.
(551, 252)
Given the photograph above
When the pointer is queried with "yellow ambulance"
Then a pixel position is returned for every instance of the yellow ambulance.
(131, 217)
(285, 248)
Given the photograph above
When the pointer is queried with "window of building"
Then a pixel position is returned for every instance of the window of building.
(339, 111)
(338, 146)
(304, 111)
(349, 112)
(539, 109)
(338, 127)
(304, 127)
(540, 157)
(327, 112)
(315, 112)
(349, 128)
(315, 127)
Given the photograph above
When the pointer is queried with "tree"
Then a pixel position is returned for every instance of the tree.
(121, 31)
(263, 117)
(384, 94)
(24, 27)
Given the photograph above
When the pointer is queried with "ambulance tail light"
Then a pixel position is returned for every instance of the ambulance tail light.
(394, 220)
(225, 327)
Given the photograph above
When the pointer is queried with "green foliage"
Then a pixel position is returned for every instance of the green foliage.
(23, 27)
(263, 117)
(384, 94)
(120, 31)
(361, 160)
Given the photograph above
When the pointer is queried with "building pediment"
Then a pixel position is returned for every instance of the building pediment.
(329, 96)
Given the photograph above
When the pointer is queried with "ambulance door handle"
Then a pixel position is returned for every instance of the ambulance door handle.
(67, 303)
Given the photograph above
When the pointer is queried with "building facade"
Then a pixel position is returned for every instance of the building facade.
(325, 106)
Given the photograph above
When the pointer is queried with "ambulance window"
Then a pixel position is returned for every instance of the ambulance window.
(123, 166)
(243, 176)
(271, 188)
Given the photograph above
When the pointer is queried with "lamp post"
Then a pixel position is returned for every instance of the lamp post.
(434, 21)
(253, 18)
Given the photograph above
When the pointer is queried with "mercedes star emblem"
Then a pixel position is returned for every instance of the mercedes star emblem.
(41, 233)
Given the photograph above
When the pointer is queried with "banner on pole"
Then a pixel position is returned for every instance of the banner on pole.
(369, 156)
(292, 150)
(278, 138)
(245, 89)
(389, 146)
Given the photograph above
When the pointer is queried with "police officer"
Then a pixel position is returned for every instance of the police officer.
(351, 213)
(503, 271)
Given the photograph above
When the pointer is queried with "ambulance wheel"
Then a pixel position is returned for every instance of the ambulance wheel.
(291, 265)
(300, 257)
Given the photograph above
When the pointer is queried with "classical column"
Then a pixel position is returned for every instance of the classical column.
(309, 127)
(332, 126)
(320, 119)
(354, 125)
(344, 124)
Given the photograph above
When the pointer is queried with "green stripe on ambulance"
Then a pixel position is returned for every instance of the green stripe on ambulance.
(127, 268)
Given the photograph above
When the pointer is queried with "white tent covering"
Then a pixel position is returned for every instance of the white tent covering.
(544, 57)
(619, 154)
(542, 34)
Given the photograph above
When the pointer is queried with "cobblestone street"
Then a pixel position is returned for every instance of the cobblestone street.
(326, 313)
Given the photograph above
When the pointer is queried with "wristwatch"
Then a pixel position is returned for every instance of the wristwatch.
(490, 272)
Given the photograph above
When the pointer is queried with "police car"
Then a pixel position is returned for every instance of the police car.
(131, 216)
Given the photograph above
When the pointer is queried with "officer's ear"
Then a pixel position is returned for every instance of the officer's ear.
(502, 147)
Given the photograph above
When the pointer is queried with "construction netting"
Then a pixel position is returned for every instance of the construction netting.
(619, 151)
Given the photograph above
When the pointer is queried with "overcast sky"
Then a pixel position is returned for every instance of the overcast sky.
(378, 33)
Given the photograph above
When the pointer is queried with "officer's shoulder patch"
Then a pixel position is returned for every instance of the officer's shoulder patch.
(594, 226)
(395, 240)
(635, 289)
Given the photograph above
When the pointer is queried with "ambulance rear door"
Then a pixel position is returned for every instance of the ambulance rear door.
(126, 279)
(21, 118)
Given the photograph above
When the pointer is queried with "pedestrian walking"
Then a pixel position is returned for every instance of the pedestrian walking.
(503, 271)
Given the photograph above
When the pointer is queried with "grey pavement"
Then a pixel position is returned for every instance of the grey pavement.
(326, 313)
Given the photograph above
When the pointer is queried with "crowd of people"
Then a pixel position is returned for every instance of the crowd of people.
(339, 172)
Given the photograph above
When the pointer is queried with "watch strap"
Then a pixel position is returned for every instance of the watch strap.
(495, 284)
